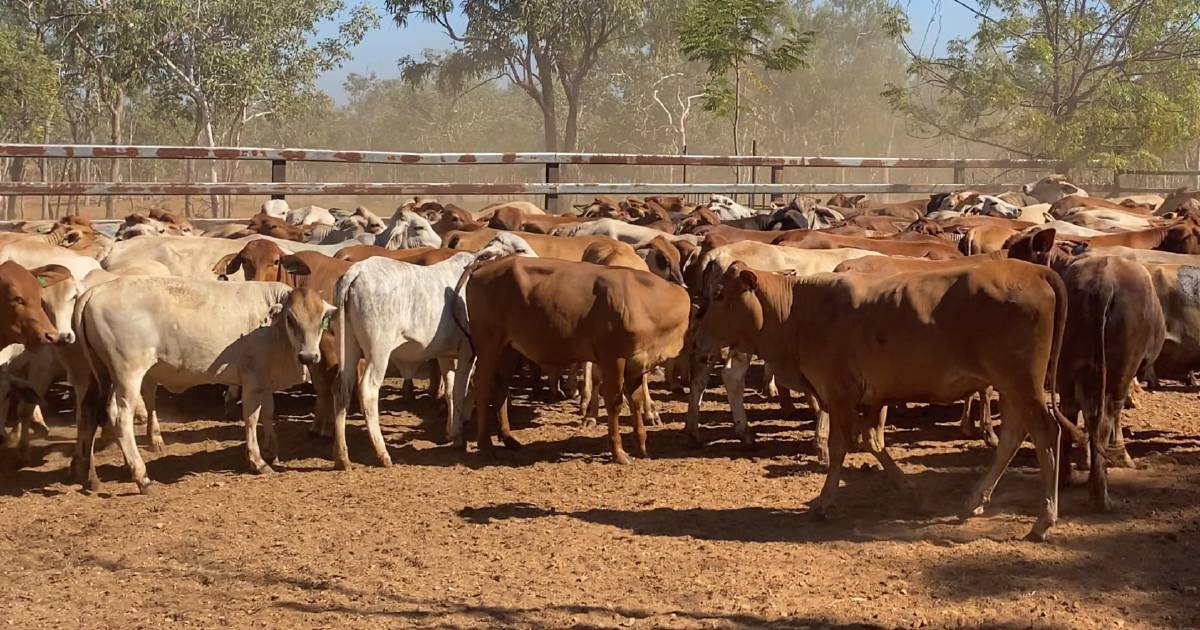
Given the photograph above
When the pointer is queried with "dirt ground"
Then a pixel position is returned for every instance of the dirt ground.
(553, 535)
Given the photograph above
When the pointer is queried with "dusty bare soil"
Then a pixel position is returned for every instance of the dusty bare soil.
(555, 536)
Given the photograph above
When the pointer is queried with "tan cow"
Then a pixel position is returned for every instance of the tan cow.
(863, 342)
(559, 313)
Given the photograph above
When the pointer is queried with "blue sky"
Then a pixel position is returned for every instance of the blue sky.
(382, 47)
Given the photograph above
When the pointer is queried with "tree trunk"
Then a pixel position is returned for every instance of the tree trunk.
(571, 133)
(549, 99)
(116, 111)
(737, 110)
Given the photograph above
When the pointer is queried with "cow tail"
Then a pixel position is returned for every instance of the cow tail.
(462, 282)
(1099, 410)
(93, 405)
(1060, 326)
(340, 298)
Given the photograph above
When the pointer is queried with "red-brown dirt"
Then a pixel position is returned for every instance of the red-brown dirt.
(555, 536)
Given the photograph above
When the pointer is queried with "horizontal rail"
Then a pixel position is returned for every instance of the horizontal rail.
(390, 157)
(404, 189)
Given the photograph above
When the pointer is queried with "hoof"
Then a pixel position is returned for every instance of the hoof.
(1036, 535)
(510, 442)
(385, 462)
(147, 487)
(40, 431)
(819, 512)
(970, 510)
(748, 443)
(991, 439)
(341, 464)
(157, 446)
(622, 458)
(92, 485)
(587, 423)
(265, 469)
(694, 441)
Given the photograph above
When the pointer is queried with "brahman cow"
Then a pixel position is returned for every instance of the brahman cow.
(1051, 188)
(141, 331)
(401, 313)
(863, 342)
(1115, 329)
(559, 313)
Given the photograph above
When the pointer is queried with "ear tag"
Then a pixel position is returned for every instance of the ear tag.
(326, 323)
(42, 281)
(291, 268)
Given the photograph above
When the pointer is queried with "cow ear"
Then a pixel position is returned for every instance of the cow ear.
(748, 278)
(857, 198)
(49, 275)
(1043, 240)
(272, 313)
(71, 237)
(228, 264)
(294, 265)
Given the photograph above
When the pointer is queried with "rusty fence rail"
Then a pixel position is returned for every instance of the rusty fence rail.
(551, 187)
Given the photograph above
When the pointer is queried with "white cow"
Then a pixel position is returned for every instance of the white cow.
(727, 209)
(400, 313)
(636, 235)
(1052, 188)
(31, 254)
(407, 230)
(763, 257)
(141, 331)
(310, 215)
(193, 256)
(277, 208)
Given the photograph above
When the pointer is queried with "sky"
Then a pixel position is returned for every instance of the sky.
(383, 47)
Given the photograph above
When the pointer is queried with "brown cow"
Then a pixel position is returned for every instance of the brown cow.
(1115, 328)
(1180, 237)
(454, 218)
(1059, 208)
(863, 342)
(842, 201)
(267, 225)
(418, 255)
(22, 318)
(818, 240)
(559, 313)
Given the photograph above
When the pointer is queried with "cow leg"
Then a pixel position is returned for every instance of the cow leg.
(1046, 434)
(484, 381)
(348, 377)
(25, 412)
(1010, 440)
(1101, 431)
(613, 373)
(368, 389)
(986, 425)
(877, 416)
(589, 397)
(149, 407)
(121, 405)
(230, 400)
(1069, 406)
(508, 365)
(691, 424)
(83, 463)
(733, 376)
(634, 385)
(648, 410)
(462, 379)
(408, 388)
(770, 389)
(437, 386)
(446, 372)
(256, 404)
(839, 443)
(965, 423)
(821, 434)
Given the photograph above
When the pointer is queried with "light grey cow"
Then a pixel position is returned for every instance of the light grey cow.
(142, 331)
(399, 313)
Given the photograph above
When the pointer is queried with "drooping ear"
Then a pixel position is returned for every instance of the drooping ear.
(748, 278)
(50, 275)
(857, 198)
(44, 228)
(1043, 241)
(71, 237)
(228, 264)
(294, 265)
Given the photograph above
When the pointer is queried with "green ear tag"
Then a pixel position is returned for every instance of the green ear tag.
(326, 322)
(291, 268)
(42, 281)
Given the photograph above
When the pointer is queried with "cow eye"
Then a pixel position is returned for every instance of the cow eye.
(18, 300)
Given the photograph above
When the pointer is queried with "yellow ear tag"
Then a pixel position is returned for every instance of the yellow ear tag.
(41, 281)
(326, 322)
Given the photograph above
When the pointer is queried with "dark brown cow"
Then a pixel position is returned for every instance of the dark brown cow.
(1115, 328)
(559, 313)
(863, 342)
(820, 240)
(673, 205)
(22, 318)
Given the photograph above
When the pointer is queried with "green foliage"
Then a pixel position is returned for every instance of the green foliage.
(28, 87)
(1111, 80)
(731, 35)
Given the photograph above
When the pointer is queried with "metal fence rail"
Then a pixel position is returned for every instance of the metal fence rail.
(551, 187)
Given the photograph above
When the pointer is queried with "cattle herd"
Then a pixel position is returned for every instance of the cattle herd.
(1049, 302)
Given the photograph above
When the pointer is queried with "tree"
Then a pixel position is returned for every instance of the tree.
(235, 61)
(547, 48)
(733, 37)
(1112, 80)
(28, 96)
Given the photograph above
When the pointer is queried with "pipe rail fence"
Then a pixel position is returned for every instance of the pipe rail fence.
(552, 188)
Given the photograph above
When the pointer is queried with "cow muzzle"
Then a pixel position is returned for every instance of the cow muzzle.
(66, 338)
(309, 358)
